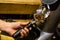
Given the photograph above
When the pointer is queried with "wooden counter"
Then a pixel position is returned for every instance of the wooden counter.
(32, 2)
(19, 6)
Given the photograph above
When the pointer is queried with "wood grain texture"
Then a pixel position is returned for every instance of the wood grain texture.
(21, 1)
(19, 6)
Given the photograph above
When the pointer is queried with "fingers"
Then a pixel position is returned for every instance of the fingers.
(30, 28)
(24, 32)
(22, 35)
(17, 24)
(24, 23)
(10, 31)
(27, 30)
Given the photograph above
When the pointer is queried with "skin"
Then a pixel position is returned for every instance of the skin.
(11, 27)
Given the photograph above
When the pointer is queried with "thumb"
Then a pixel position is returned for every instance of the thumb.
(18, 24)
(10, 31)
(24, 23)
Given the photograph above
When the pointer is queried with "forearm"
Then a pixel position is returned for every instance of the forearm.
(2, 24)
(7, 27)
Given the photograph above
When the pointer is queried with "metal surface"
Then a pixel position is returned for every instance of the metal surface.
(49, 1)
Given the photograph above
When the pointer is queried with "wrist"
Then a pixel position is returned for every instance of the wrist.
(3, 26)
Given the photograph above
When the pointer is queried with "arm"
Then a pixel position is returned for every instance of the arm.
(2, 24)
(11, 27)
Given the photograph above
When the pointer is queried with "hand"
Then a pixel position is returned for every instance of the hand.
(12, 27)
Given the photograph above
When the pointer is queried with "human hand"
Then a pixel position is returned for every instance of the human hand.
(12, 27)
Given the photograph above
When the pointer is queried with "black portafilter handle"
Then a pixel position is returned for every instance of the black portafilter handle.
(17, 33)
